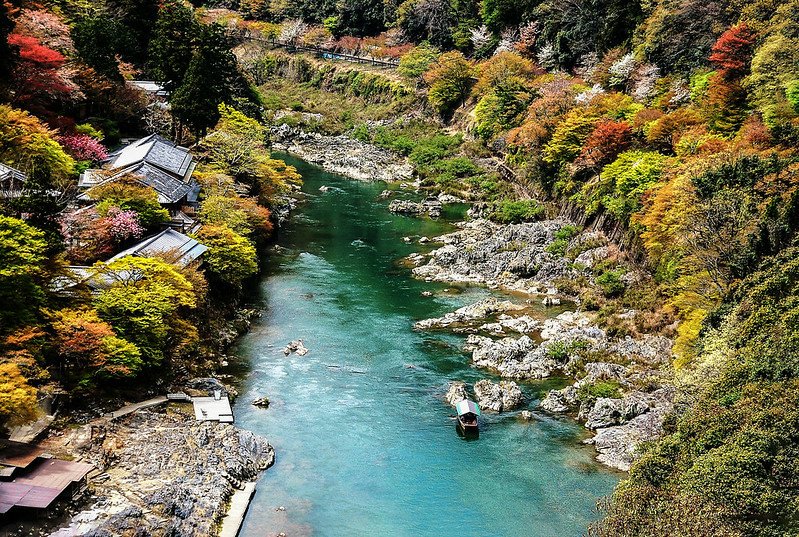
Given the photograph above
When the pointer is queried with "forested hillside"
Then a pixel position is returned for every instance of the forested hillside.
(85, 313)
(677, 120)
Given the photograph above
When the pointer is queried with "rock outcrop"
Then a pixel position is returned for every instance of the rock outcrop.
(471, 315)
(430, 207)
(343, 155)
(559, 401)
(512, 256)
(617, 446)
(456, 393)
(498, 397)
(297, 347)
(167, 475)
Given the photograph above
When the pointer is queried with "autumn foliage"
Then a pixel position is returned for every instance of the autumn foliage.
(604, 144)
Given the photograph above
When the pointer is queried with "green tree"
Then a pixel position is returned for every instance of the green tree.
(172, 45)
(450, 80)
(417, 61)
(359, 18)
(98, 39)
(231, 258)
(143, 304)
(242, 215)
(623, 182)
(212, 79)
(236, 142)
(22, 256)
(237, 147)
(139, 19)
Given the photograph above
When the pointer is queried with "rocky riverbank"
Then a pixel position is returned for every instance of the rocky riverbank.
(510, 256)
(162, 472)
(621, 385)
(343, 155)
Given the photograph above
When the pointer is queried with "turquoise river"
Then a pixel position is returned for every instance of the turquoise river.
(365, 444)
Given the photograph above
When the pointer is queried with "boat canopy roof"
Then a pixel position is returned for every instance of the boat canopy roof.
(465, 407)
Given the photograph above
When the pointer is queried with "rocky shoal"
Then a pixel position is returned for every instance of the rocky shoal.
(343, 155)
(621, 388)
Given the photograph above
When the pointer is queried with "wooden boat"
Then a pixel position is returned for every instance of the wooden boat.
(468, 413)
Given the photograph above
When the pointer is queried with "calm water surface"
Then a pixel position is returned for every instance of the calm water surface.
(365, 445)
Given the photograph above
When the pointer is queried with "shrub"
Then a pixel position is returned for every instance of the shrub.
(604, 388)
(562, 237)
(512, 212)
(610, 282)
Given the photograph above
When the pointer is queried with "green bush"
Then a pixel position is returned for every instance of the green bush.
(604, 388)
(562, 237)
(512, 212)
(610, 283)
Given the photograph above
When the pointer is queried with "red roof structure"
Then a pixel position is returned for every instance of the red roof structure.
(18, 454)
(41, 484)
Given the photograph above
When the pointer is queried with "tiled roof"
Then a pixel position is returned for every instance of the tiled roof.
(169, 188)
(156, 151)
(168, 240)
(7, 172)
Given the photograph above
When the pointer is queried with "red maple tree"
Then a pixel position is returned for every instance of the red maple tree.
(604, 144)
(732, 51)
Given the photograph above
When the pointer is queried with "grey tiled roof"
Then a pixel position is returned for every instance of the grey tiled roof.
(7, 172)
(169, 188)
(168, 240)
(157, 162)
(157, 152)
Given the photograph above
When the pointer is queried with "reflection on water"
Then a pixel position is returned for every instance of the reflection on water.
(365, 445)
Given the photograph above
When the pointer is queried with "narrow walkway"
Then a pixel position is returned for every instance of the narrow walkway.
(239, 503)
(129, 409)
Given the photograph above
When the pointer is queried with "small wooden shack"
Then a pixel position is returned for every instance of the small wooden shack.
(30, 479)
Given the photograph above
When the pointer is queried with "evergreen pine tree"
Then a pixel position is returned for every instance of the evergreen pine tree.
(210, 80)
(174, 37)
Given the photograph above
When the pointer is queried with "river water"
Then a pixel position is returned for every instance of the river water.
(365, 445)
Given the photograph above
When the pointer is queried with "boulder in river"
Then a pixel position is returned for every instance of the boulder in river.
(456, 393)
(469, 314)
(512, 358)
(498, 396)
(431, 207)
(558, 401)
(262, 402)
(297, 347)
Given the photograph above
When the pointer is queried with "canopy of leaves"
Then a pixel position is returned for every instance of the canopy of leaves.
(22, 256)
(88, 349)
(128, 194)
(18, 399)
(231, 258)
(143, 302)
(417, 61)
(725, 466)
(27, 144)
(450, 80)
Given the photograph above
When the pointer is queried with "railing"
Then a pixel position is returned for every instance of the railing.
(323, 52)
